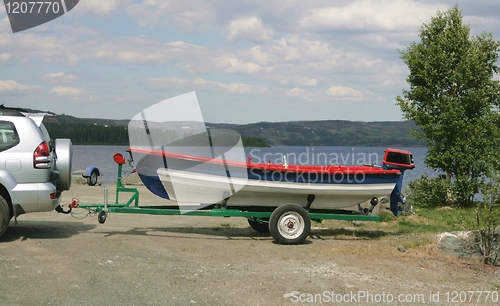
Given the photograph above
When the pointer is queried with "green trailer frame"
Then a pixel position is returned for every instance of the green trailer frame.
(288, 223)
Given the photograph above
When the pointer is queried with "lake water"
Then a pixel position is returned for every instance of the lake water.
(102, 158)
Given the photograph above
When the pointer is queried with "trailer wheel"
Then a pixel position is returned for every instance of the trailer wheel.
(101, 216)
(259, 227)
(92, 179)
(289, 224)
(4, 215)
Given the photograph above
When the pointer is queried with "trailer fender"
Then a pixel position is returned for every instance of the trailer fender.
(92, 174)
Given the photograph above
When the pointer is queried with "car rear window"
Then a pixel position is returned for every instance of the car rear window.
(8, 135)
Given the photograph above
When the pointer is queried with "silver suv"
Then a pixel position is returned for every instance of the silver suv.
(34, 170)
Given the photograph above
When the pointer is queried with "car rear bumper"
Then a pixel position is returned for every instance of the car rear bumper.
(36, 197)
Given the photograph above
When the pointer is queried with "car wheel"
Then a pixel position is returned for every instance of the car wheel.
(4, 215)
(64, 153)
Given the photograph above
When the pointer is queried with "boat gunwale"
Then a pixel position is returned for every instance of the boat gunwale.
(332, 169)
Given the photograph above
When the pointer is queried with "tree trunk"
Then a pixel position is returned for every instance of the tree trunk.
(449, 196)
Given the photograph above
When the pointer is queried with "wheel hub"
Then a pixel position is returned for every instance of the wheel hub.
(291, 225)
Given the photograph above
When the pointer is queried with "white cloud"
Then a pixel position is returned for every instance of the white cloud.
(248, 28)
(103, 53)
(286, 47)
(10, 85)
(4, 23)
(344, 91)
(136, 50)
(390, 15)
(388, 83)
(60, 77)
(294, 48)
(67, 91)
(259, 56)
(5, 39)
(101, 7)
(295, 92)
(231, 64)
(183, 16)
(30, 46)
(317, 48)
(238, 88)
(231, 88)
(169, 80)
(4, 56)
(130, 56)
(180, 45)
(365, 62)
(310, 82)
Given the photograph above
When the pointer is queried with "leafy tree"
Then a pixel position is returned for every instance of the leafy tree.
(454, 100)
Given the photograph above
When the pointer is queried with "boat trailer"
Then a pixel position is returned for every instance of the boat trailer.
(287, 223)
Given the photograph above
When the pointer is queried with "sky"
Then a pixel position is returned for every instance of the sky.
(247, 61)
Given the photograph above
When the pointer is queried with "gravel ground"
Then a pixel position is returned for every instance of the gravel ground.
(55, 259)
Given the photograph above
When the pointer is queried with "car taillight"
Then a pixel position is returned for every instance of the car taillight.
(41, 157)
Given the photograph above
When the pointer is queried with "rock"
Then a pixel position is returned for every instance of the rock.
(401, 248)
(357, 223)
(460, 244)
(78, 180)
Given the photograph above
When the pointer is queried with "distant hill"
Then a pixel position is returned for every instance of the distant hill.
(330, 133)
(293, 133)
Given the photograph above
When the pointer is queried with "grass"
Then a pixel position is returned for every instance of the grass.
(361, 233)
(434, 221)
(417, 243)
(386, 216)
(424, 221)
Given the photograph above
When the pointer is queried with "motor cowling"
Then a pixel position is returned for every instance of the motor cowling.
(398, 159)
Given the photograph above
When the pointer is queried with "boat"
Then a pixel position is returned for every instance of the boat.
(199, 181)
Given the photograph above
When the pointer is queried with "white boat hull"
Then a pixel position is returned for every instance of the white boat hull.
(192, 188)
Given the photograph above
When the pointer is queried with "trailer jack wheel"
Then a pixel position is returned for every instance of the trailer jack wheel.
(101, 217)
(289, 224)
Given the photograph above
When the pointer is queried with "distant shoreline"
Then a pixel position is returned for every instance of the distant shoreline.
(263, 134)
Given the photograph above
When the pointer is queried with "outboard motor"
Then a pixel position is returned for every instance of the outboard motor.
(401, 160)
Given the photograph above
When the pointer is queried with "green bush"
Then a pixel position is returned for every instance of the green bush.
(484, 226)
(427, 192)
(464, 189)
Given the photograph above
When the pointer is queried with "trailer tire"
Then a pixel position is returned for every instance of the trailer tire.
(259, 227)
(93, 178)
(4, 215)
(101, 216)
(289, 224)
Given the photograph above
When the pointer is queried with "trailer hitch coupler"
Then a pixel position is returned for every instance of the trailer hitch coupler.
(73, 204)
